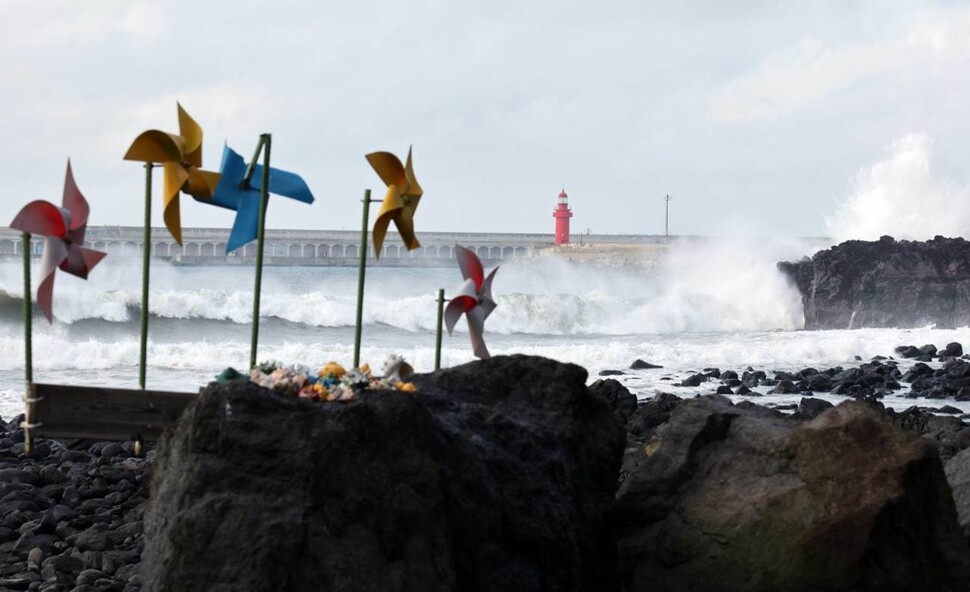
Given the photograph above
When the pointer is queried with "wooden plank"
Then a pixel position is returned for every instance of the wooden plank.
(61, 411)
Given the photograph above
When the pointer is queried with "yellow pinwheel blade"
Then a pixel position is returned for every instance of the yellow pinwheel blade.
(405, 227)
(389, 207)
(175, 178)
(201, 184)
(156, 146)
(413, 188)
(192, 132)
(388, 167)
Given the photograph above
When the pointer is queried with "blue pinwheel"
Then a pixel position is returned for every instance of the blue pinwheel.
(235, 192)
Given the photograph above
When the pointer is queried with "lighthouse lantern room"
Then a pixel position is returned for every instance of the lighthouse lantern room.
(562, 214)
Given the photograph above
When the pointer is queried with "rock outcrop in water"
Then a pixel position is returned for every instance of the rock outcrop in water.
(496, 475)
(885, 283)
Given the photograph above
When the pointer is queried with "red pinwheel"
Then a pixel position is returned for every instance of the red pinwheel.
(474, 299)
(63, 231)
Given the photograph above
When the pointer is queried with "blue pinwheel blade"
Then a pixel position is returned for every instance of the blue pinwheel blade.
(228, 192)
(246, 227)
(283, 183)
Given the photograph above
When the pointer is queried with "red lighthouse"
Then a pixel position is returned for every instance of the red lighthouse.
(562, 214)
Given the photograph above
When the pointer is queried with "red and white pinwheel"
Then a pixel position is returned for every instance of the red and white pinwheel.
(474, 299)
(63, 231)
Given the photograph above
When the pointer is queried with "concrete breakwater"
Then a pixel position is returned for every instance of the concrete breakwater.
(207, 246)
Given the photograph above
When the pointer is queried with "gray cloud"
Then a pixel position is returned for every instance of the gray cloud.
(754, 115)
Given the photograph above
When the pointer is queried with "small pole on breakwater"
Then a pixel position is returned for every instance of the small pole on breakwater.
(667, 218)
(437, 342)
(360, 277)
(265, 143)
(146, 248)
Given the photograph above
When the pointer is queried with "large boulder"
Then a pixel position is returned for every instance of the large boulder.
(495, 475)
(958, 475)
(885, 283)
(725, 498)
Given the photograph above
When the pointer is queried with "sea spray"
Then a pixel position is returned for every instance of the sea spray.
(722, 284)
(907, 195)
(716, 285)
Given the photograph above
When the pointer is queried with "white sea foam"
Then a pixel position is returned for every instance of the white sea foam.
(718, 285)
(188, 365)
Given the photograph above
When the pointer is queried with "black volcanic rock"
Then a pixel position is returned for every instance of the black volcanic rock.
(495, 475)
(618, 397)
(729, 498)
(885, 283)
(958, 475)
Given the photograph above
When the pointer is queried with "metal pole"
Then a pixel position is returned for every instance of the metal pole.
(28, 350)
(437, 342)
(667, 218)
(146, 254)
(253, 161)
(28, 314)
(360, 277)
(266, 140)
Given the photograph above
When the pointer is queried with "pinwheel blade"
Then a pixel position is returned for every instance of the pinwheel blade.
(400, 201)
(192, 132)
(286, 184)
(41, 218)
(75, 203)
(390, 207)
(485, 294)
(55, 252)
(232, 194)
(157, 146)
(456, 307)
(175, 177)
(388, 167)
(80, 261)
(405, 226)
(229, 191)
(245, 228)
(413, 188)
(476, 327)
(470, 265)
(201, 184)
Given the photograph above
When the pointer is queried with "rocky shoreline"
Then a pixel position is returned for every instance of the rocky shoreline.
(71, 513)
(880, 377)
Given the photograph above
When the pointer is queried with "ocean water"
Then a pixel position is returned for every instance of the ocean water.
(720, 304)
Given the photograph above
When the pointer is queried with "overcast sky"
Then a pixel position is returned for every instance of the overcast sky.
(757, 117)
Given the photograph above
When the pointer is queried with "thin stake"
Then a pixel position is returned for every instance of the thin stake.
(28, 314)
(265, 141)
(146, 255)
(667, 218)
(28, 421)
(360, 278)
(437, 342)
(252, 162)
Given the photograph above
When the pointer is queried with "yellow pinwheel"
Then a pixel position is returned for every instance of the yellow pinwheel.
(400, 201)
(181, 157)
